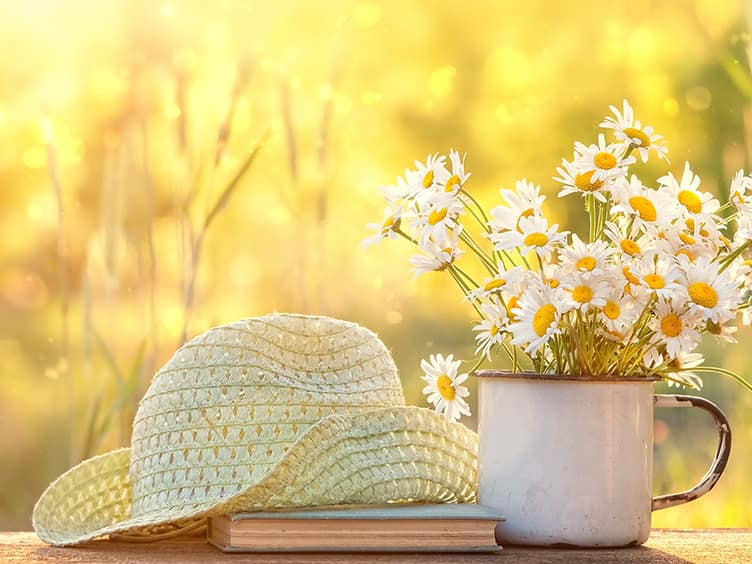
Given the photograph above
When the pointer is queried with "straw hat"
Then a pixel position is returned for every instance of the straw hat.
(281, 411)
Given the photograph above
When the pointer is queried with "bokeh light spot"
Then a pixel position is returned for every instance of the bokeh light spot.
(699, 98)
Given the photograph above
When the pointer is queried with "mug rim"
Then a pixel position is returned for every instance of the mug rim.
(531, 375)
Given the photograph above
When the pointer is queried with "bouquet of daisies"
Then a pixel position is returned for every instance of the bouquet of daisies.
(662, 264)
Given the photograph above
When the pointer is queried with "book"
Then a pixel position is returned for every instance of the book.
(392, 528)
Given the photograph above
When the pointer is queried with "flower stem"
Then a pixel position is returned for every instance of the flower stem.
(719, 370)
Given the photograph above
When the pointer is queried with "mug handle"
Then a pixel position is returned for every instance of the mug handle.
(721, 454)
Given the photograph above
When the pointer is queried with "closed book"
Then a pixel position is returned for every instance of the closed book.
(447, 527)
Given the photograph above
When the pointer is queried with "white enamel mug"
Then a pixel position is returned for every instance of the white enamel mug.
(569, 461)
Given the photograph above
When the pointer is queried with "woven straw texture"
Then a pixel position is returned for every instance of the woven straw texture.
(282, 411)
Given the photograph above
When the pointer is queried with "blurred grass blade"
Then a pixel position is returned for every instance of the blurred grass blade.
(138, 362)
(233, 184)
(90, 440)
(110, 358)
(738, 74)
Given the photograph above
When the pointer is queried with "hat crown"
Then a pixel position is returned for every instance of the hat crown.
(230, 403)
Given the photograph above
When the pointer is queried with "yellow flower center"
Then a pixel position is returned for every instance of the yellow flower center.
(703, 294)
(553, 283)
(493, 331)
(494, 285)
(582, 294)
(511, 304)
(428, 179)
(444, 385)
(687, 239)
(436, 216)
(644, 208)
(611, 310)
(584, 181)
(543, 319)
(655, 281)
(690, 223)
(631, 278)
(604, 160)
(452, 183)
(536, 240)
(747, 263)
(390, 224)
(527, 213)
(690, 200)
(637, 136)
(585, 264)
(686, 253)
(671, 325)
(630, 247)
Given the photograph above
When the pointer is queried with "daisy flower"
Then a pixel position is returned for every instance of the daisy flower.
(743, 231)
(721, 331)
(687, 239)
(585, 292)
(428, 175)
(524, 201)
(649, 208)
(492, 328)
(602, 159)
(680, 371)
(388, 228)
(495, 285)
(685, 191)
(741, 272)
(674, 327)
(659, 275)
(552, 275)
(708, 230)
(439, 215)
(444, 389)
(629, 130)
(618, 314)
(536, 318)
(712, 295)
(459, 177)
(576, 181)
(632, 244)
(740, 185)
(396, 194)
(588, 258)
(533, 234)
(437, 255)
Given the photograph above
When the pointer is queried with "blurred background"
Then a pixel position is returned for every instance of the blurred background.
(167, 166)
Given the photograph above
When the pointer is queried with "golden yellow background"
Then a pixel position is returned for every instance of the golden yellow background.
(131, 118)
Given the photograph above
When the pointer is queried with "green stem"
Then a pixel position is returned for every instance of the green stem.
(589, 207)
(485, 259)
(719, 370)
(483, 224)
(480, 208)
(726, 261)
(466, 275)
(401, 233)
(478, 364)
(465, 289)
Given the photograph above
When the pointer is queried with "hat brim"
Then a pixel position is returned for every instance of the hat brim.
(377, 456)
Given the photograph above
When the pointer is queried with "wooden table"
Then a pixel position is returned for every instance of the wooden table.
(713, 546)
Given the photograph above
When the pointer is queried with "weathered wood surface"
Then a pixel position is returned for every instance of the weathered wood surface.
(714, 546)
